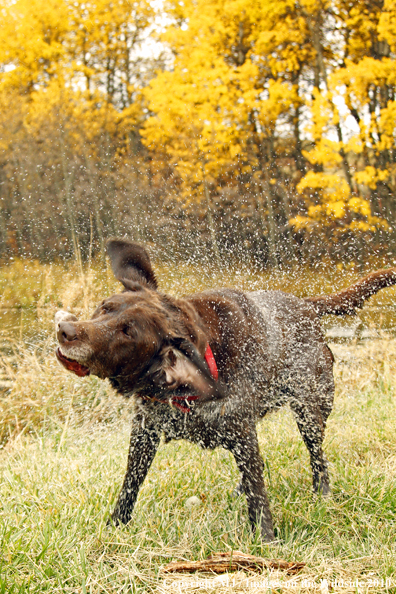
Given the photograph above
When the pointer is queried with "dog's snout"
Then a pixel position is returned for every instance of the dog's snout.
(66, 332)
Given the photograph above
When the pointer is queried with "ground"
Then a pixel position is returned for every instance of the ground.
(62, 468)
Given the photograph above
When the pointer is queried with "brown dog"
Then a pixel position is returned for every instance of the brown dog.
(267, 348)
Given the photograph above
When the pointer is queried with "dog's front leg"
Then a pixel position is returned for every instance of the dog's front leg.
(247, 456)
(142, 449)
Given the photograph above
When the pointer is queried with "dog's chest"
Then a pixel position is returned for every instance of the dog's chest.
(214, 424)
(207, 428)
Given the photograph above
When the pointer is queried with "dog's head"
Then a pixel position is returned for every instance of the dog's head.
(142, 340)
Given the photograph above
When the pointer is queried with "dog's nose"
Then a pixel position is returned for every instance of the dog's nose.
(63, 316)
(66, 332)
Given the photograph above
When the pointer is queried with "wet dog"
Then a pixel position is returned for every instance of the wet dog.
(207, 367)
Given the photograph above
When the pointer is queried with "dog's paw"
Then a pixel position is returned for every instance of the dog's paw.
(323, 489)
(113, 521)
(118, 519)
(270, 539)
(238, 491)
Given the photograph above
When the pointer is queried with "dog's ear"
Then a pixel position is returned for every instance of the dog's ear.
(131, 264)
(184, 366)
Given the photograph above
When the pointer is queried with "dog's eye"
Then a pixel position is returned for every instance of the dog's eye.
(126, 330)
(106, 307)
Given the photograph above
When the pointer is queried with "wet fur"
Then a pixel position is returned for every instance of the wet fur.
(269, 348)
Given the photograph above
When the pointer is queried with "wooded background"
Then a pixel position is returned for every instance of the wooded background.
(261, 131)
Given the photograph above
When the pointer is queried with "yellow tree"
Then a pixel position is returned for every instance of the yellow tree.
(69, 84)
(31, 41)
(105, 45)
(216, 112)
(351, 93)
(245, 77)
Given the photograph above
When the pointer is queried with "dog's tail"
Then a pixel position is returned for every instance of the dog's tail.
(346, 302)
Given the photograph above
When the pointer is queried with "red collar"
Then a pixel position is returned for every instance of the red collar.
(210, 360)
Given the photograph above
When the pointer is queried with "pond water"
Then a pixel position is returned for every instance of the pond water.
(29, 325)
(31, 293)
(373, 322)
(19, 327)
(22, 324)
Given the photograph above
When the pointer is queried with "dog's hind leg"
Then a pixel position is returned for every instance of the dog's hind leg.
(312, 425)
(142, 449)
(247, 456)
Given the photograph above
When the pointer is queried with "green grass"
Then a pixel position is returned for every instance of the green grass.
(64, 444)
(62, 475)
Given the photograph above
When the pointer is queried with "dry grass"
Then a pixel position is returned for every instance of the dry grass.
(65, 445)
(61, 477)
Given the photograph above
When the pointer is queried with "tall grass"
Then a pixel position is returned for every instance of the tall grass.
(25, 283)
(65, 443)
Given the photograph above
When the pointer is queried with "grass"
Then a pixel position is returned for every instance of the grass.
(28, 283)
(65, 443)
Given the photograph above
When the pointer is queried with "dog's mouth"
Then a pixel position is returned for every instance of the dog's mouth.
(183, 403)
(71, 364)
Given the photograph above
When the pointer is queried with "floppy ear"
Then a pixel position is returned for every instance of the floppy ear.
(130, 262)
(184, 366)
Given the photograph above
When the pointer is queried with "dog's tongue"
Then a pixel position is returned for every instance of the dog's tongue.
(71, 365)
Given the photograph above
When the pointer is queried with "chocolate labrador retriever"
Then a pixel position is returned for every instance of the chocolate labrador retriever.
(208, 366)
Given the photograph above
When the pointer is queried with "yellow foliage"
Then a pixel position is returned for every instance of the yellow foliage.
(335, 205)
(335, 185)
(387, 23)
(209, 105)
(359, 76)
(359, 205)
(31, 41)
(68, 62)
(300, 222)
(321, 115)
(370, 176)
(245, 85)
